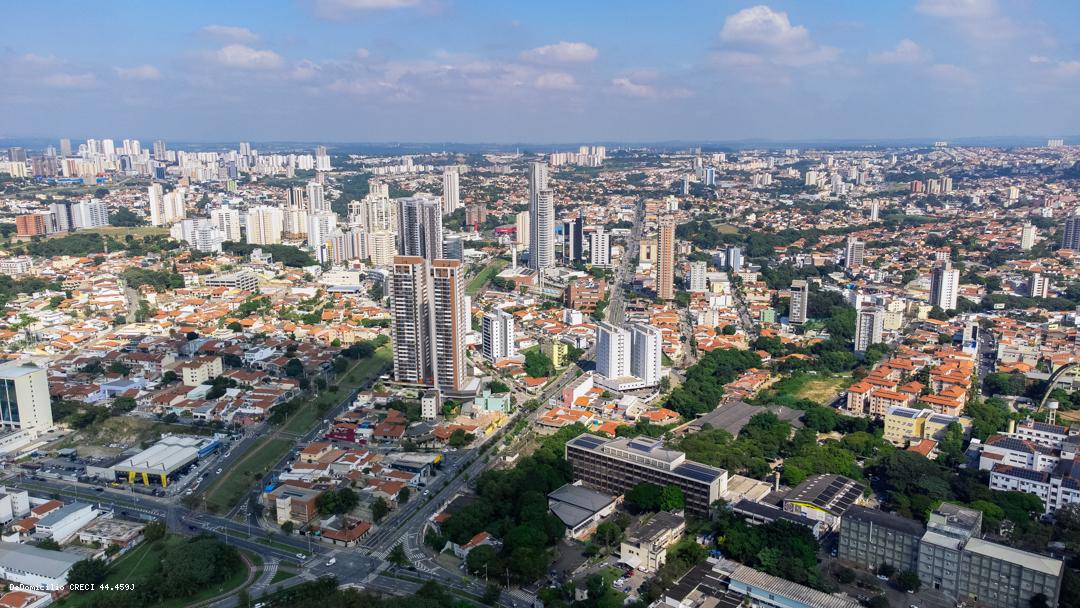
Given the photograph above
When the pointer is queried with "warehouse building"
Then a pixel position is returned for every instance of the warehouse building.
(164, 461)
(30, 566)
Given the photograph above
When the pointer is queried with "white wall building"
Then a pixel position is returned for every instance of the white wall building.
(498, 335)
(24, 397)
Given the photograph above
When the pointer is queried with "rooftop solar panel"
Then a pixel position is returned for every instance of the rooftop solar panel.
(696, 472)
(587, 442)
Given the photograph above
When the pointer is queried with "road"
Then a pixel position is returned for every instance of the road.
(616, 310)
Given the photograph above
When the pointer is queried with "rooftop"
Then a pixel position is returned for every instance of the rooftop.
(43, 562)
(1031, 561)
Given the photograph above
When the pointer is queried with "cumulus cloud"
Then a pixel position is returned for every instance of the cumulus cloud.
(563, 52)
(70, 81)
(555, 81)
(957, 9)
(980, 21)
(231, 33)
(245, 57)
(139, 72)
(762, 34)
(906, 51)
(629, 88)
(336, 9)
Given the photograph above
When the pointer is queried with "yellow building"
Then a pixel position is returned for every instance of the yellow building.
(557, 351)
(904, 424)
(647, 251)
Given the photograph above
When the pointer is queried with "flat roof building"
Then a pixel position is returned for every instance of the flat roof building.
(24, 397)
(161, 462)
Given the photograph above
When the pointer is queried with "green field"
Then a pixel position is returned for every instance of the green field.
(232, 486)
(477, 283)
(361, 373)
(121, 231)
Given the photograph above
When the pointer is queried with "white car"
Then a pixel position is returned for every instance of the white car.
(301, 556)
(331, 561)
(219, 471)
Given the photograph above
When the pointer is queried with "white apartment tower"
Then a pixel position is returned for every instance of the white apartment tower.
(451, 181)
(600, 248)
(698, 271)
(613, 345)
(1039, 286)
(869, 327)
(90, 214)
(264, 225)
(316, 198)
(228, 221)
(498, 335)
(420, 227)
(646, 343)
(521, 229)
(944, 286)
(157, 204)
(854, 249)
(410, 326)
(449, 323)
(800, 297)
(24, 398)
(1027, 237)
(541, 218)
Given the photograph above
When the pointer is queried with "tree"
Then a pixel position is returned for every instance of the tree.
(645, 496)
(491, 595)
(482, 560)
(538, 365)
(459, 438)
(845, 575)
(122, 405)
(235, 326)
(154, 531)
(672, 498)
(877, 601)
(288, 526)
(48, 543)
(336, 502)
(908, 581)
(886, 570)
(243, 598)
(88, 572)
(496, 386)
(379, 509)
(403, 496)
(608, 534)
(169, 377)
(1039, 600)
(294, 368)
(397, 556)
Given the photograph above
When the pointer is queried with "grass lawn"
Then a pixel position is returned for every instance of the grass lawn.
(282, 575)
(477, 283)
(121, 231)
(822, 389)
(726, 228)
(245, 473)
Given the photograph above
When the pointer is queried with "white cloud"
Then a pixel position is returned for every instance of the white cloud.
(1067, 69)
(628, 87)
(563, 52)
(139, 72)
(948, 73)
(906, 51)
(70, 81)
(240, 56)
(761, 33)
(231, 33)
(555, 81)
(957, 9)
(361, 54)
(336, 9)
(1038, 59)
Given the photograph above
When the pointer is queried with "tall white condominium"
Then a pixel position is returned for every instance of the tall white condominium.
(264, 225)
(90, 214)
(1027, 237)
(382, 247)
(449, 323)
(157, 204)
(173, 206)
(541, 218)
(1039, 286)
(800, 298)
(322, 159)
(869, 327)
(420, 226)
(316, 198)
(410, 325)
(228, 221)
(944, 286)
(612, 350)
(296, 211)
(205, 235)
(698, 272)
(320, 226)
(451, 188)
(854, 250)
(498, 335)
(646, 342)
(733, 258)
(875, 210)
(600, 248)
(24, 398)
(521, 229)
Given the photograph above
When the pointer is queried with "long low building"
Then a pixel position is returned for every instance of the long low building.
(34, 567)
(162, 462)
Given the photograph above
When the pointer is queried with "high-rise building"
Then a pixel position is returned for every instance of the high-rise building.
(62, 217)
(944, 286)
(316, 198)
(159, 150)
(1027, 237)
(541, 218)
(869, 328)
(875, 210)
(698, 270)
(382, 247)
(90, 214)
(174, 205)
(800, 298)
(228, 221)
(65, 147)
(600, 247)
(451, 190)
(1039, 286)
(264, 225)
(454, 248)
(449, 323)
(420, 227)
(733, 258)
(665, 262)
(320, 226)
(410, 325)
(17, 155)
(521, 229)
(1071, 239)
(498, 335)
(157, 204)
(24, 398)
(612, 350)
(646, 343)
(854, 249)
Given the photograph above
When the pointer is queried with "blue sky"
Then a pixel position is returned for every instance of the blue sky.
(498, 71)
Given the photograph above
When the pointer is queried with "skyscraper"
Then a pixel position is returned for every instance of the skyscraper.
(264, 225)
(420, 227)
(90, 214)
(944, 286)
(613, 345)
(665, 263)
(698, 271)
(320, 226)
(733, 258)
(800, 296)
(600, 248)
(1071, 239)
(854, 249)
(410, 325)
(1039, 286)
(65, 147)
(875, 210)
(522, 232)
(869, 327)
(159, 150)
(228, 221)
(646, 342)
(1027, 237)
(449, 323)
(541, 218)
(24, 398)
(498, 335)
(451, 190)
(157, 204)
(316, 198)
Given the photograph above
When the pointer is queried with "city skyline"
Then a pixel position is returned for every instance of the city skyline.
(419, 71)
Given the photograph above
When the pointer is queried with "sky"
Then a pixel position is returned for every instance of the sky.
(545, 72)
